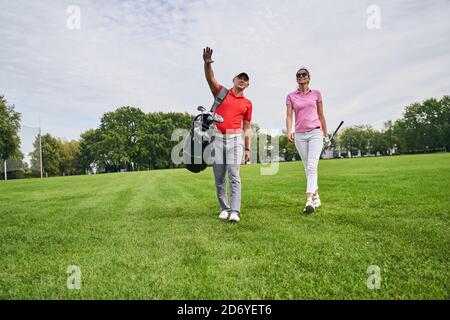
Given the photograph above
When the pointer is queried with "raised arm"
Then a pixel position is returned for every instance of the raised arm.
(209, 74)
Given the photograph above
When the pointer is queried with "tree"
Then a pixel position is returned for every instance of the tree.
(156, 146)
(287, 149)
(361, 138)
(9, 131)
(16, 167)
(350, 140)
(425, 125)
(90, 154)
(444, 129)
(70, 158)
(52, 154)
(256, 130)
(380, 142)
(129, 139)
(121, 131)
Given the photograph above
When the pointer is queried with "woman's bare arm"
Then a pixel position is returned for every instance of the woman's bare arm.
(289, 116)
(322, 118)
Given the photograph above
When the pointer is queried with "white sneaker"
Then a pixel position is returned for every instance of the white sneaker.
(316, 202)
(234, 217)
(223, 215)
(309, 207)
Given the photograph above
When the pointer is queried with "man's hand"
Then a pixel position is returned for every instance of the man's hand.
(209, 74)
(207, 55)
(291, 137)
(247, 156)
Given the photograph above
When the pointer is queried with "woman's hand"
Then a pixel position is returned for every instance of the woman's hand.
(326, 142)
(290, 136)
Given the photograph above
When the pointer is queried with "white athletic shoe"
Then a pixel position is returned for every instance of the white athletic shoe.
(309, 206)
(234, 217)
(223, 215)
(316, 202)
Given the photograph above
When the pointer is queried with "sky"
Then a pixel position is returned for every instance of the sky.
(368, 63)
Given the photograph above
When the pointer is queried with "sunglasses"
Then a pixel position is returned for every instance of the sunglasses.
(302, 74)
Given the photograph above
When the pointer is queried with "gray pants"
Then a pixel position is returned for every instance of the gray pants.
(228, 153)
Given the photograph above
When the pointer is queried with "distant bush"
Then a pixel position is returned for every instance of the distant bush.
(16, 174)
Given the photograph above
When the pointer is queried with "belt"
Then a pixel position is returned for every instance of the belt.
(227, 135)
(309, 130)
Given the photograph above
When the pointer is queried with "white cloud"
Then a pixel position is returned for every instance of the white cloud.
(148, 54)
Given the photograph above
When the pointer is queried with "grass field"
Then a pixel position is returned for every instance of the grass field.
(156, 234)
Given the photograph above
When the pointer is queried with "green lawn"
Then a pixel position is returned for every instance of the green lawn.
(156, 234)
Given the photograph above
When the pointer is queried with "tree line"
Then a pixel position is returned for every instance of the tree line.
(126, 139)
(129, 139)
(9, 136)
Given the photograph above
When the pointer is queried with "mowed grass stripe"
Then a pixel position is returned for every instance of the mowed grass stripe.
(156, 234)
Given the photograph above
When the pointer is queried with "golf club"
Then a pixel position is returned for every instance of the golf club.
(332, 136)
(335, 131)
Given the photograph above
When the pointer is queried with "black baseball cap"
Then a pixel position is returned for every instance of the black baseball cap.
(243, 75)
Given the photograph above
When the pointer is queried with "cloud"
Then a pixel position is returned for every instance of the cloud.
(148, 54)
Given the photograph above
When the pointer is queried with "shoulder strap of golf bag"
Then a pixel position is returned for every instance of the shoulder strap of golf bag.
(219, 98)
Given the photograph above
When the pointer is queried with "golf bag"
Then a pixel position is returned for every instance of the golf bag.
(201, 134)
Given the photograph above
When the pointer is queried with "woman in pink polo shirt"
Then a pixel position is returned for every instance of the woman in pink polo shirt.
(310, 132)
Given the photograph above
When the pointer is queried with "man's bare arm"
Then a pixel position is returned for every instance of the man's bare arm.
(247, 126)
(209, 74)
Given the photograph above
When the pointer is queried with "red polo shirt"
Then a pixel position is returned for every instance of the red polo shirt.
(233, 110)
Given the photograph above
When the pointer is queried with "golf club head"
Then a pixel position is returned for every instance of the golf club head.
(201, 109)
(208, 119)
(218, 118)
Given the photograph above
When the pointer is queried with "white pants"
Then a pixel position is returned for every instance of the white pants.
(309, 145)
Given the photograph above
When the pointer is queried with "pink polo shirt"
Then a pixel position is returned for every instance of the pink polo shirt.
(305, 108)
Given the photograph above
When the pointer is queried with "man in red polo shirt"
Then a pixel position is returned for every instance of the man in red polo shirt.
(236, 111)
